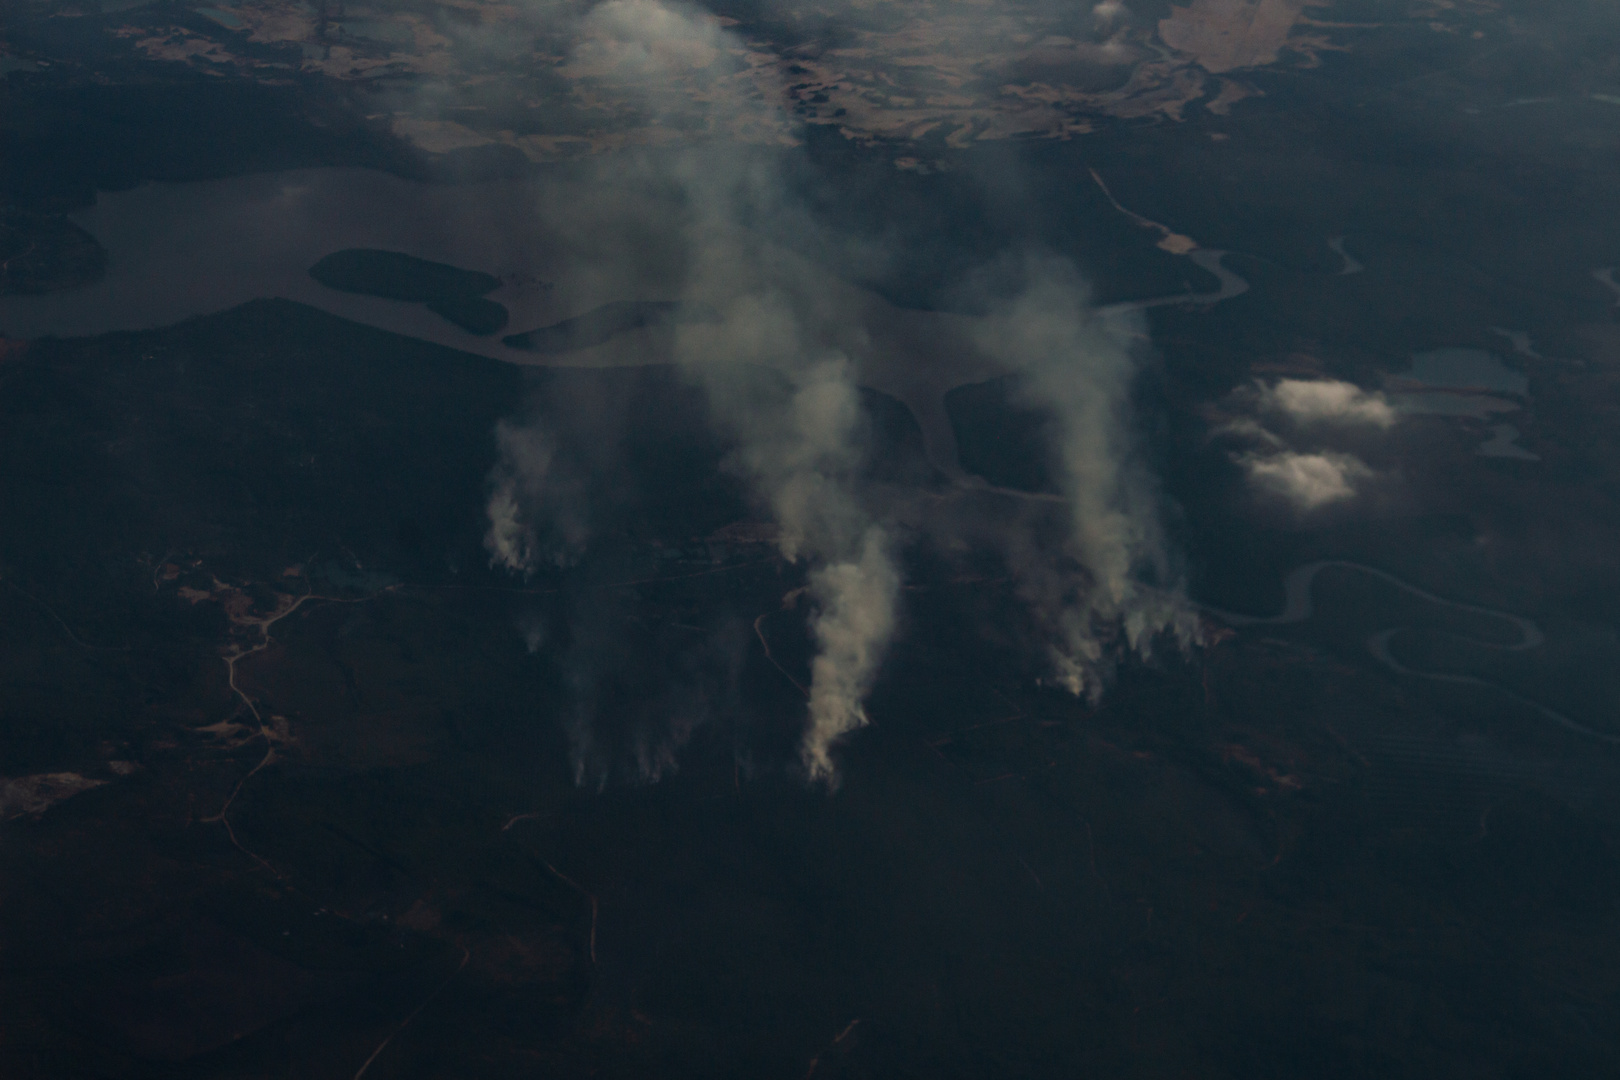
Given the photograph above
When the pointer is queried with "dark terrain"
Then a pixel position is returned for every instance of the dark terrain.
(1229, 867)
(364, 837)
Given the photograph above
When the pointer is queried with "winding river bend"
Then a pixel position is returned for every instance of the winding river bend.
(176, 251)
(1298, 606)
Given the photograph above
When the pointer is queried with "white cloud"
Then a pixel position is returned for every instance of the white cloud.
(1308, 481)
(1317, 401)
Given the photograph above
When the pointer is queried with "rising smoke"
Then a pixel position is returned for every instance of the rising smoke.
(536, 508)
(1108, 585)
(1114, 573)
(800, 452)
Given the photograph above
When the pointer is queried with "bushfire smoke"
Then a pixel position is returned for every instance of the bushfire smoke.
(1116, 573)
(797, 436)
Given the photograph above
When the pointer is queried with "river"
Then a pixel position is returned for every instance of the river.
(175, 251)
(1298, 606)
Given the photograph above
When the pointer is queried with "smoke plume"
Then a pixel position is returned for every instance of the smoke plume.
(799, 449)
(535, 508)
(1115, 574)
(778, 363)
(797, 433)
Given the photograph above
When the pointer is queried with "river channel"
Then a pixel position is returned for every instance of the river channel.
(176, 251)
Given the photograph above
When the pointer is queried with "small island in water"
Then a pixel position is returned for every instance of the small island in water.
(449, 291)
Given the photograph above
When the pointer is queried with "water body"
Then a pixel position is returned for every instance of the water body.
(180, 250)
(391, 33)
(1519, 340)
(1231, 284)
(1467, 383)
(1472, 406)
(1298, 606)
(1465, 369)
(1504, 443)
(598, 326)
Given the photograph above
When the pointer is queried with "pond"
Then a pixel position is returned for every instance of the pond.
(1470, 384)
(1465, 369)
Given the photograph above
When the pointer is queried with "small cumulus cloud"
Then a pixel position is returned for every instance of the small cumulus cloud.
(1293, 438)
(1307, 481)
(1324, 401)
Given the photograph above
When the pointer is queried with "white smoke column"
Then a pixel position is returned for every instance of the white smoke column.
(803, 456)
(1076, 365)
(526, 486)
(853, 624)
(800, 452)
(516, 481)
(798, 449)
(857, 586)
